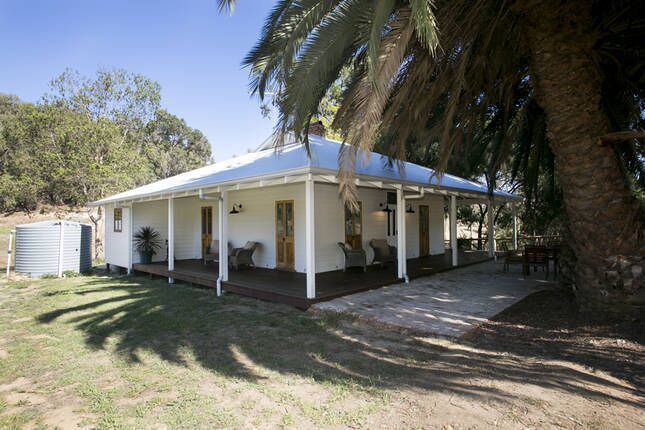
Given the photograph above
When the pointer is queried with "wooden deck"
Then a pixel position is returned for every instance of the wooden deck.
(289, 287)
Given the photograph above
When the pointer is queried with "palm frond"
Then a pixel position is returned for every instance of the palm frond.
(226, 5)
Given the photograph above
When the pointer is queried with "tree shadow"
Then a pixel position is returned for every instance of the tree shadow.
(236, 336)
(547, 324)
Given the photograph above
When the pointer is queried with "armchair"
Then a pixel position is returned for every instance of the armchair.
(383, 253)
(243, 256)
(211, 253)
(353, 257)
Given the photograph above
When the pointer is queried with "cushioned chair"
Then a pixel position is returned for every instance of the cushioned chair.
(242, 256)
(383, 252)
(212, 252)
(353, 257)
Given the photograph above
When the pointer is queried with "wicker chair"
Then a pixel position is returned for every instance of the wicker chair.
(353, 257)
(212, 252)
(243, 256)
(383, 253)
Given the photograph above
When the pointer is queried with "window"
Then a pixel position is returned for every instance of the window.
(354, 227)
(391, 198)
(118, 220)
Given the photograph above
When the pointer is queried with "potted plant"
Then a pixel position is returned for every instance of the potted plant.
(147, 242)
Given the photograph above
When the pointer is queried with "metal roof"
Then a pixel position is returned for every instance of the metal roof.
(293, 158)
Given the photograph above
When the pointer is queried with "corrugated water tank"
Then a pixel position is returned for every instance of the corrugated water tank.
(39, 250)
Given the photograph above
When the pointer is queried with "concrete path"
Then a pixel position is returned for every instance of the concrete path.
(447, 304)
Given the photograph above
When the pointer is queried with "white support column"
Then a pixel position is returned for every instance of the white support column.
(171, 238)
(130, 212)
(491, 228)
(223, 236)
(310, 237)
(400, 235)
(453, 231)
(514, 210)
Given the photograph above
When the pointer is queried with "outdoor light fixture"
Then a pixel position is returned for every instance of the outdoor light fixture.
(385, 207)
(237, 208)
(390, 220)
(409, 209)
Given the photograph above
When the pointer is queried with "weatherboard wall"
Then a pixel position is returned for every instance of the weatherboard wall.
(256, 222)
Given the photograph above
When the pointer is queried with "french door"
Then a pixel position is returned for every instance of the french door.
(284, 235)
(207, 229)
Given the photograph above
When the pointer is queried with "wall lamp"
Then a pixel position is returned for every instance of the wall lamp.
(237, 208)
(385, 207)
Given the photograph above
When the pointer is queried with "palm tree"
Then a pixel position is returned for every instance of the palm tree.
(427, 72)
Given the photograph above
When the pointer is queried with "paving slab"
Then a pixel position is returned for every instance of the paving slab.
(448, 304)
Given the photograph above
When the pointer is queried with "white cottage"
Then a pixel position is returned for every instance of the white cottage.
(287, 202)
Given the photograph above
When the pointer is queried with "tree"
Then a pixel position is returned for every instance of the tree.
(60, 156)
(173, 147)
(426, 73)
(128, 99)
(90, 138)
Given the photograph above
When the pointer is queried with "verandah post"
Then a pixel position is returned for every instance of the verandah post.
(453, 231)
(223, 236)
(514, 210)
(171, 238)
(310, 237)
(400, 234)
(130, 213)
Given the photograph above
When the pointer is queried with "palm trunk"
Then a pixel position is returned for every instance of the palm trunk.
(604, 219)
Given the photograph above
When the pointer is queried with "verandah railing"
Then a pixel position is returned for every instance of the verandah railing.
(504, 243)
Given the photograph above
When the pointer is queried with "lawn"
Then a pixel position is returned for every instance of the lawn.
(130, 352)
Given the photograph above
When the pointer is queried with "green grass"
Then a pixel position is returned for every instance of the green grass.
(132, 352)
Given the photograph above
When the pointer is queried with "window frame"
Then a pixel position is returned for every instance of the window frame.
(118, 220)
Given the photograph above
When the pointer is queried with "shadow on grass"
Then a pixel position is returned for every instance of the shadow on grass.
(236, 336)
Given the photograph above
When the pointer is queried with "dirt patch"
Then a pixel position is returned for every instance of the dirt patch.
(17, 384)
(18, 398)
(547, 326)
(65, 417)
(40, 337)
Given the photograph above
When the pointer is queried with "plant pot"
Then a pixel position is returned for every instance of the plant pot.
(145, 257)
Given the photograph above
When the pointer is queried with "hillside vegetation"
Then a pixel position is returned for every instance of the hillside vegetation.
(91, 137)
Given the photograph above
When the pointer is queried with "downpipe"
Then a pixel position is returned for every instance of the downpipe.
(218, 286)
(422, 192)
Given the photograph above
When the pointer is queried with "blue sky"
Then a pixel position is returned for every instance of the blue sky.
(186, 46)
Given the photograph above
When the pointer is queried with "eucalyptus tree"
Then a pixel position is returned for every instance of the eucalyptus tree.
(172, 146)
(582, 61)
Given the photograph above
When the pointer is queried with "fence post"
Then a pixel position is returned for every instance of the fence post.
(9, 251)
